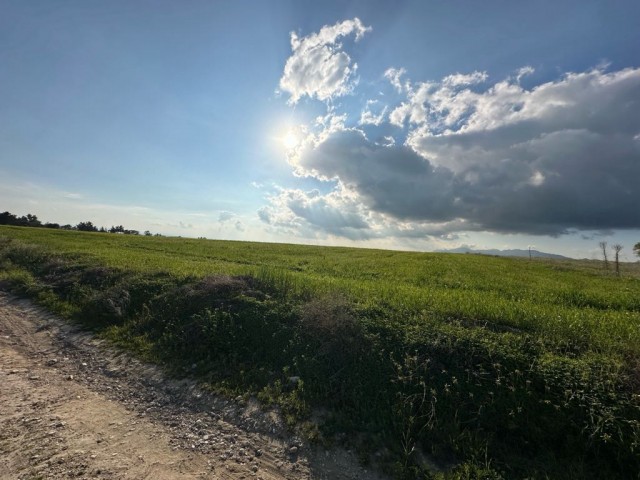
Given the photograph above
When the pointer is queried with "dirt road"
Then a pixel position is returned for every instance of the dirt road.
(71, 407)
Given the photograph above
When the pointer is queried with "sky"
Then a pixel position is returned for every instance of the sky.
(412, 125)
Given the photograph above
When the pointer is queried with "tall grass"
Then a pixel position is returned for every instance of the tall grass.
(533, 364)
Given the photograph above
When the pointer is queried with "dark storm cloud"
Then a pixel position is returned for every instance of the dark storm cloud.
(393, 180)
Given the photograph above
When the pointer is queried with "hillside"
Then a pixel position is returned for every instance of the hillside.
(424, 363)
(514, 252)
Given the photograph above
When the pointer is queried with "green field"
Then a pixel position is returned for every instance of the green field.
(490, 367)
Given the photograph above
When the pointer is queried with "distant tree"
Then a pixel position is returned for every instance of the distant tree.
(147, 233)
(118, 229)
(617, 248)
(7, 218)
(131, 232)
(32, 221)
(28, 220)
(103, 230)
(636, 249)
(66, 227)
(86, 227)
(603, 247)
(51, 225)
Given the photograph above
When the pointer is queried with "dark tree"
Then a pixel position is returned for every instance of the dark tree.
(603, 247)
(616, 248)
(86, 227)
(636, 249)
(27, 220)
(32, 221)
(7, 218)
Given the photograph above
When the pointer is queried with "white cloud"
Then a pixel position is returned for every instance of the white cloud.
(389, 141)
(560, 157)
(394, 75)
(367, 117)
(415, 108)
(340, 214)
(318, 67)
(460, 79)
(299, 212)
(399, 114)
(523, 72)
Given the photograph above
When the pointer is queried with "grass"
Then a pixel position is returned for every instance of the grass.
(490, 366)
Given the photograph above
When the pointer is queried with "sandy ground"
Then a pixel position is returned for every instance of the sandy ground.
(72, 407)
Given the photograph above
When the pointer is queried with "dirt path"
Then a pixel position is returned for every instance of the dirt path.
(71, 407)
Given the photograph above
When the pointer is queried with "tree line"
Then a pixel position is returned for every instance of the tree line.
(29, 220)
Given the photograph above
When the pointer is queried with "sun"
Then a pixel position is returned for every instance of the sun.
(290, 139)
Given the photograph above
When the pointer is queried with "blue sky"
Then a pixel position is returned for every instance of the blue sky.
(411, 125)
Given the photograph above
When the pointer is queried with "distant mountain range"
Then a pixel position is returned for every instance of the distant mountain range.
(506, 253)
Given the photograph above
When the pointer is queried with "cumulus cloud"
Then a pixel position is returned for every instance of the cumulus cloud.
(559, 156)
(318, 66)
(390, 179)
(562, 156)
(440, 104)
(309, 212)
(556, 158)
(340, 213)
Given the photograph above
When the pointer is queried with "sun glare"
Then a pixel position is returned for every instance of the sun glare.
(290, 139)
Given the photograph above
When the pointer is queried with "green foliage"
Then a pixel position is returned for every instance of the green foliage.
(487, 367)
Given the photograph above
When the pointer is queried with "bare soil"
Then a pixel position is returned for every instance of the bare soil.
(73, 407)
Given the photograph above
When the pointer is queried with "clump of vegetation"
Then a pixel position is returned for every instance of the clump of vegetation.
(439, 366)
